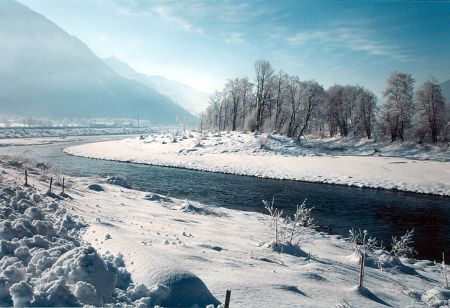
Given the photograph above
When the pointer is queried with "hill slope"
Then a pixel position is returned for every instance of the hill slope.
(46, 72)
(193, 100)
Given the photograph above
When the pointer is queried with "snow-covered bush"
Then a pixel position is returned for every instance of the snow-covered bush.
(362, 245)
(197, 141)
(250, 121)
(403, 246)
(297, 225)
(261, 141)
(119, 181)
(442, 268)
(289, 230)
(276, 224)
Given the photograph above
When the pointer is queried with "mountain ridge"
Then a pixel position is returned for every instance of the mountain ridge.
(46, 72)
(191, 99)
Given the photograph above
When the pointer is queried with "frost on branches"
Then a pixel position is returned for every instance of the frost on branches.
(290, 230)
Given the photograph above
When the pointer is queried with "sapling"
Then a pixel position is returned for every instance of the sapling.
(443, 269)
(363, 244)
(403, 246)
(290, 230)
(296, 226)
(275, 223)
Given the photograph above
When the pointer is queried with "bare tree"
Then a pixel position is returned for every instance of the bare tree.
(264, 76)
(396, 112)
(293, 89)
(430, 106)
(339, 110)
(364, 114)
(311, 97)
(279, 85)
(246, 92)
(232, 91)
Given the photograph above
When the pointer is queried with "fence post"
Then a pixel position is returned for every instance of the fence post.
(51, 182)
(361, 271)
(26, 178)
(63, 187)
(227, 299)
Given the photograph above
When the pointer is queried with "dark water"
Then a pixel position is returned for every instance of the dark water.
(383, 213)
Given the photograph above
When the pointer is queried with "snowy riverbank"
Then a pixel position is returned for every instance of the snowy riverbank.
(45, 259)
(160, 238)
(425, 169)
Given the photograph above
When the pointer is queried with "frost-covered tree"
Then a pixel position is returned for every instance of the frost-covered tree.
(364, 113)
(397, 110)
(294, 97)
(312, 96)
(279, 97)
(339, 109)
(232, 91)
(430, 107)
(246, 94)
(263, 81)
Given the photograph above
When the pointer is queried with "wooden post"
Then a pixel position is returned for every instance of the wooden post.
(361, 271)
(51, 182)
(63, 187)
(26, 178)
(227, 299)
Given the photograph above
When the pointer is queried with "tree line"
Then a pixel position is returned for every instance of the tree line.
(284, 104)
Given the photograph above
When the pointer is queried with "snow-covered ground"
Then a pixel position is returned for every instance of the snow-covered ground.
(406, 167)
(74, 248)
(26, 132)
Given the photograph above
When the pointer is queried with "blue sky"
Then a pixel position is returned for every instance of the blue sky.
(202, 43)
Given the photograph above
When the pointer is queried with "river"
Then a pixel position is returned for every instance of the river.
(336, 208)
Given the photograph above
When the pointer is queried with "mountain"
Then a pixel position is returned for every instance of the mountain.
(45, 72)
(193, 100)
(446, 90)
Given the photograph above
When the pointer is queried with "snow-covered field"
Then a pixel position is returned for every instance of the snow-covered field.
(406, 167)
(71, 131)
(73, 249)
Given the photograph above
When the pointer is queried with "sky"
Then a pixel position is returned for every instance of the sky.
(204, 43)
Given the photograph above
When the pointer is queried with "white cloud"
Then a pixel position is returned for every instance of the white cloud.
(173, 13)
(168, 15)
(235, 38)
(350, 38)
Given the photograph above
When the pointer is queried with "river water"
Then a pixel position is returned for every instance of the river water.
(337, 208)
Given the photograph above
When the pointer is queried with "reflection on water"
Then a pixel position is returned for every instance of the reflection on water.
(383, 213)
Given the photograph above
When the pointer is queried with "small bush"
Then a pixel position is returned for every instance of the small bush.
(403, 246)
(290, 230)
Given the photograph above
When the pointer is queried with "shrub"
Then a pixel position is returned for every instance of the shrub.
(403, 246)
(289, 230)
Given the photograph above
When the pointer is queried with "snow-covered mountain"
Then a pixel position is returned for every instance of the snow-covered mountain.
(45, 72)
(193, 100)
(446, 90)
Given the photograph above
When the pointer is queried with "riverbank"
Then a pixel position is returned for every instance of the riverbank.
(158, 236)
(425, 170)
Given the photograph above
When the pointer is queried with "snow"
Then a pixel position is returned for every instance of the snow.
(361, 163)
(122, 246)
(44, 260)
(61, 132)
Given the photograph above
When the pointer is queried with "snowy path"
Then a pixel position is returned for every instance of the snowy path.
(240, 154)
